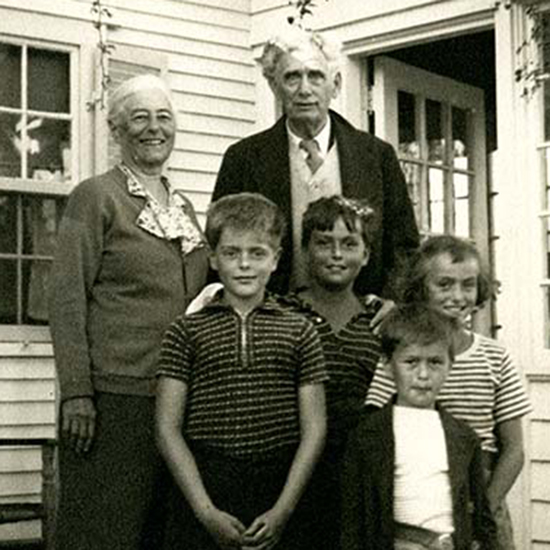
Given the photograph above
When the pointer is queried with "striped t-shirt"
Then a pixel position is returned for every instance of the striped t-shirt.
(243, 375)
(351, 355)
(483, 389)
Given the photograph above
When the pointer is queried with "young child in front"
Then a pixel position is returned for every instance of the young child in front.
(412, 474)
(336, 242)
(483, 388)
(241, 403)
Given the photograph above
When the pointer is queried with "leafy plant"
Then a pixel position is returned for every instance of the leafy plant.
(303, 8)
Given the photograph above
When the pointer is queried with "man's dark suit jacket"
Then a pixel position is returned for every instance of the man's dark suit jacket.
(369, 170)
(368, 485)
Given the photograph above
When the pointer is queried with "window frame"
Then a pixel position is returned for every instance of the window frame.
(543, 152)
(35, 188)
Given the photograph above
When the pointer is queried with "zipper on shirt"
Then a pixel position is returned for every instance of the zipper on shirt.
(243, 336)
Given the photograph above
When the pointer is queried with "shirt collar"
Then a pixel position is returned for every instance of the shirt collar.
(322, 138)
(136, 188)
(171, 222)
(270, 302)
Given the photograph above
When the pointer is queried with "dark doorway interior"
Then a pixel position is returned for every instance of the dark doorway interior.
(468, 58)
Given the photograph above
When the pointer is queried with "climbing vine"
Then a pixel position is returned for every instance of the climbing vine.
(101, 15)
(302, 8)
(532, 69)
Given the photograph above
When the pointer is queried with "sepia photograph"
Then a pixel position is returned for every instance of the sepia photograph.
(274, 274)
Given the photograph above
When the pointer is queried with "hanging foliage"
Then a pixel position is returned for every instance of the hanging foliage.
(532, 69)
(303, 8)
(100, 15)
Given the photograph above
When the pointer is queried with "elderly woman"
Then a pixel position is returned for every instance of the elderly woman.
(130, 257)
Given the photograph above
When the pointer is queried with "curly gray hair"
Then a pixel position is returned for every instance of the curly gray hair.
(121, 94)
(294, 39)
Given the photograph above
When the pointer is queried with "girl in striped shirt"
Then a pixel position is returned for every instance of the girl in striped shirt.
(483, 388)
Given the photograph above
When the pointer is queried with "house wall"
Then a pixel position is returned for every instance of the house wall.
(202, 49)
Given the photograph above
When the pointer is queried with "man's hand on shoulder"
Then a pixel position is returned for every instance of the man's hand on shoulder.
(382, 306)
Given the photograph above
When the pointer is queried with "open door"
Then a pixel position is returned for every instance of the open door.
(437, 126)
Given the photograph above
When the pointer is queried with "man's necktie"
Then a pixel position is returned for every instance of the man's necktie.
(313, 158)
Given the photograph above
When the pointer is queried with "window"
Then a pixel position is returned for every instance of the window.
(545, 156)
(439, 178)
(437, 126)
(37, 126)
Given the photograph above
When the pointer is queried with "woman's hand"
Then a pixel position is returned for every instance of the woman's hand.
(265, 531)
(78, 423)
(224, 528)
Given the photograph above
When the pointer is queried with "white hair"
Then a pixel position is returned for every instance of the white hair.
(296, 38)
(125, 90)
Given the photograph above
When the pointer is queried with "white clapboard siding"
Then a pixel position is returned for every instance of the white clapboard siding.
(539, 466)
(216, 126)
(217, 12)
(199, 142)
(228, 108)
(219, 88)
(27, 409)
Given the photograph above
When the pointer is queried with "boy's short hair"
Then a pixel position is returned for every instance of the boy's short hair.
(322, 214)
(415, 323)
(414, 288)
(245, 212)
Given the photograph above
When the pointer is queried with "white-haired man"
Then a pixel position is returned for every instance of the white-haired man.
(312, 152)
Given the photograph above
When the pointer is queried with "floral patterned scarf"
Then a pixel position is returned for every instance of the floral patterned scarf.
(174, 221)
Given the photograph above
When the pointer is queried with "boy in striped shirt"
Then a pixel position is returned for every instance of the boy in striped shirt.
(336, 246)
(241, 404)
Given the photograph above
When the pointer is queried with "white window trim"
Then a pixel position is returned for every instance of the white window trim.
(73, 37)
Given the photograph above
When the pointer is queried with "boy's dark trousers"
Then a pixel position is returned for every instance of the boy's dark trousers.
(244, 488)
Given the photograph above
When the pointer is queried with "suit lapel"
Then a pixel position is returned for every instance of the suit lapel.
(350, 156)
(274, 166)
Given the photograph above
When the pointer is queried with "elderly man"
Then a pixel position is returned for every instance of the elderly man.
(311, 152)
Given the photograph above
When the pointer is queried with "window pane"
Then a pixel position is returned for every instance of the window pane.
(434, 131)
(461, 185)
(546, 60)
(413, 177)
(461, 146)
(546, 178)
(8, 292)
(49, 155)
(10, 145)
(462, 218)
(437, 204)
(36, 276)
(8, 225)
(41, 222)
(406, 109)
(48, 75)
(10, 83)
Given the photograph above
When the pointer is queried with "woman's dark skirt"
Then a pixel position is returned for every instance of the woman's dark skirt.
(114, 496)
